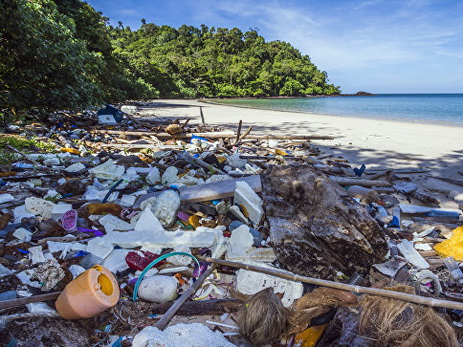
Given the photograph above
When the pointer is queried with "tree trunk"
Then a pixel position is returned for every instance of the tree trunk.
(315, 228)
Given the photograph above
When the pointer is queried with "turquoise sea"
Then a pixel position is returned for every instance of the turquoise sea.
(423, 108)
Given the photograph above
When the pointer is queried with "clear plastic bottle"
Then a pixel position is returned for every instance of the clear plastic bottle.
(455, 271)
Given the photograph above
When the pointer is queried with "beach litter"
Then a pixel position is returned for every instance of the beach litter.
(137, 226)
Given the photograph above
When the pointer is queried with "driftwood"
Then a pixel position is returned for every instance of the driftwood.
(344, 181)
(341, 286)
(314, 228)
(167, 317)
(200, 308)
(28, 300)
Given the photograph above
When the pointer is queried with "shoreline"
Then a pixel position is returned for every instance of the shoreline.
(375, 142)
(400, 120)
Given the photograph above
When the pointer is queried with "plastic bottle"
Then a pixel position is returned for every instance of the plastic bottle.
(455, 271)
(89, 294)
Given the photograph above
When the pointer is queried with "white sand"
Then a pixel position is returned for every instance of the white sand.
(380, 143)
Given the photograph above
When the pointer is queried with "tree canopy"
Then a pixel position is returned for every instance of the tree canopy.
(63, 54)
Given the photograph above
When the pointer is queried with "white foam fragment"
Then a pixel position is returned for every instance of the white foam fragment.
(185, 335)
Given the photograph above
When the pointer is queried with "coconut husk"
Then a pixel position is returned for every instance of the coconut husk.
(392, 322)
(262, 319)
(316, 303)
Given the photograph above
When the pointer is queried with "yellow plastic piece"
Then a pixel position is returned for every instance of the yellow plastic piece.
(453, 247)
(89, 294)
(244, 211)
(280, 152)
(221, 159)
(194, 221)
(310, 336)
(70, 150)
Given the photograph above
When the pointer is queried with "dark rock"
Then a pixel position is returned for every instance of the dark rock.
(315, 229)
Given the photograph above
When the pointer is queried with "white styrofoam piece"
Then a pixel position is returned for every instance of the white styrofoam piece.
(128, 200)
(99, 247)
(115, 261)
(23, 234)
(246, 196)
(185, 335)
(150, 234)
(36, 255)
(111, 223)
(39, 206)
(250, 282)
(108, 170)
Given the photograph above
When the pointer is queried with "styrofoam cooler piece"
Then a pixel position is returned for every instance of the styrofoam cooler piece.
(158, 288)
(251, 282)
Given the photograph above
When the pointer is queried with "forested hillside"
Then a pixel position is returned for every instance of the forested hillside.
(63, 54)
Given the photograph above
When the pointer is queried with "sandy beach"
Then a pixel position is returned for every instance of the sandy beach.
(377, 143)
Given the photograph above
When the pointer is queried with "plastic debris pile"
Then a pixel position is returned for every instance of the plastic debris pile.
(130, 207)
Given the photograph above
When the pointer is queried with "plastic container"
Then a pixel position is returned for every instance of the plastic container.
(89, 294)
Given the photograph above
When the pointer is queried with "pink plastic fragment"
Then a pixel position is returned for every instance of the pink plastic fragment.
(69, 220)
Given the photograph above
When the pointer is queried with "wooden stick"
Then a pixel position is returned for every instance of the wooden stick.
(199, 308)
(341, 286)
(24, 155)
(28, 300)
(344, 181)
(244, 135)
(202, 115)
(238, 132)
(166, 318)
(199, 162)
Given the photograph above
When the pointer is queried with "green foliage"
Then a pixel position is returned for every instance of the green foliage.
(62, 54)
(203, 62)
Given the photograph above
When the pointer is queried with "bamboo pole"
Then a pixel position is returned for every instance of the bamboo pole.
(28, 300)
(166, 318)
(341, 286)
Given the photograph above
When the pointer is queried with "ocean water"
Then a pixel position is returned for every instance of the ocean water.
(423, 108)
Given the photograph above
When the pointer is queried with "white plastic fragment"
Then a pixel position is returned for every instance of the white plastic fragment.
(250, 282)
(108, 171)
(23, 234)
(36, 255)
(6, 198)
(39, 207)
(111, 223)
(158, 288)
(247, 197)
(76, 270)
(170, 176)
(59, 209)
(20, 212)
(4, 271)
(235, 161)
(99, 247)
(106, 119)
(166, 206)
(154, 176)
(240, 242)
(411, 254)
(115, 261)
(73, 168)
(185, 335)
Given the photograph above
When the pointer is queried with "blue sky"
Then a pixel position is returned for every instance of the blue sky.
(379, 46)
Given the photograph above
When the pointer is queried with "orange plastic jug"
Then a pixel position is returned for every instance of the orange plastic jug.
(89, 294)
